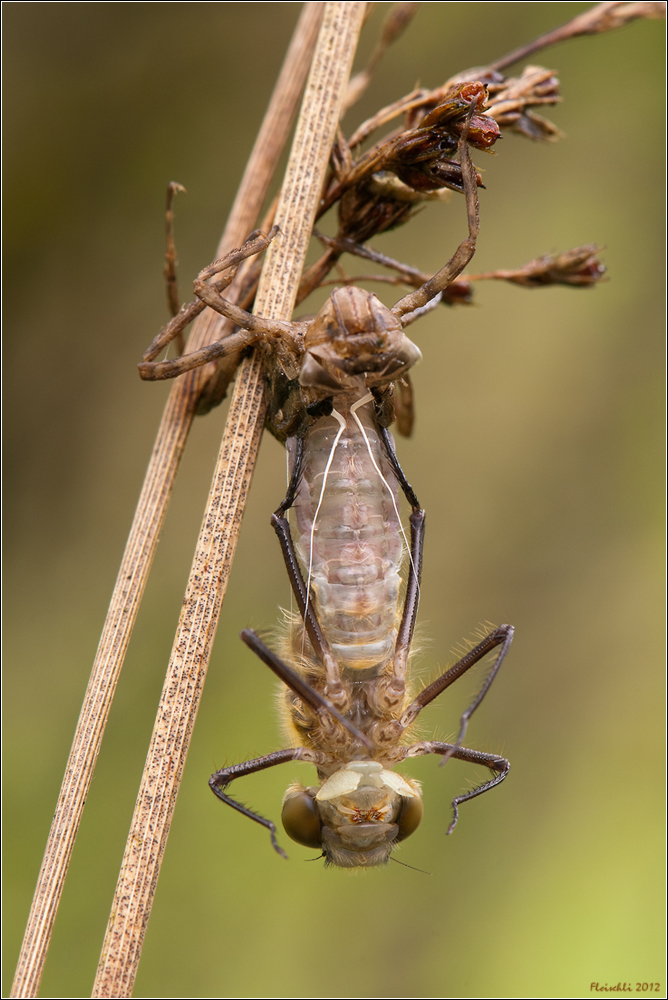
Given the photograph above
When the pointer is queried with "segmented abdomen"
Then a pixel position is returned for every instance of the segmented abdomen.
(355, 557)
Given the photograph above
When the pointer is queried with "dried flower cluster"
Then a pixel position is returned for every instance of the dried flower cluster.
(378, 188)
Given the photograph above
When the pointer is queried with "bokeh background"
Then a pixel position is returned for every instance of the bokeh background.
(537, 455)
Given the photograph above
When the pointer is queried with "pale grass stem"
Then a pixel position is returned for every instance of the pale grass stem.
(148, 519)
(276, 295)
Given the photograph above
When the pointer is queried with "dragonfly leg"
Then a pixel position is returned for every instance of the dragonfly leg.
(501, 636)
(390, 694)
(219, 781)
(464, 252)
(404, 405)
(321, 705)
(498, 765)
(252, 327)
(335, 688)
(169, 271)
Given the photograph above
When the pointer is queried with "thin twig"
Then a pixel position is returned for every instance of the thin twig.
(395, 23)
(148, 519)
(220, 527)
(599, 19)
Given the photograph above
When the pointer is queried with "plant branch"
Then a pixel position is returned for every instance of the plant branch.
(146, 525)
(601, 18)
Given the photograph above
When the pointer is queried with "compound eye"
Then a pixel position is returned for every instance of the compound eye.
(300, 818)
(409, 818)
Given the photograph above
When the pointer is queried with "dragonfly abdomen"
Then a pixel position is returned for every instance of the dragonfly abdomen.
(349, 537)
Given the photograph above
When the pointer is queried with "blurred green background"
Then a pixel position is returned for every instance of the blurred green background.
(537, 455)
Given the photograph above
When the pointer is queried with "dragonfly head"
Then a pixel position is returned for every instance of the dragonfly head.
(356, 817)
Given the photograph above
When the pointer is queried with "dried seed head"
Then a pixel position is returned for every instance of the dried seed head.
(365, 211)
(432, 175)
(536, 85)
(534, 126)
(422, 157)
(608, 16)
(458, 293)
(450, 115)
(578, 267)
(510, 100)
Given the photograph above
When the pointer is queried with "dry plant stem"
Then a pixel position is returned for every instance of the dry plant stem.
(217, 541)
(600, 18)
(148, 519)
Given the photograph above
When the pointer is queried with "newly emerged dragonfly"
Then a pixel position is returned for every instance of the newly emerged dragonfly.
(348, 703)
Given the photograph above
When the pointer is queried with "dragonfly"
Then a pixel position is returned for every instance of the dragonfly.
(346, 664)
